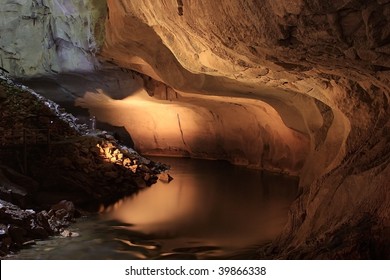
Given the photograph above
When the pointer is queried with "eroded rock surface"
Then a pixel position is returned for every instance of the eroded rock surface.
(45, 36)
(322, 66)
(20, 227)
(336, 53)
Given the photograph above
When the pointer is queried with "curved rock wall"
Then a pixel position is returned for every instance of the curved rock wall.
(243, 131)
(323, 65)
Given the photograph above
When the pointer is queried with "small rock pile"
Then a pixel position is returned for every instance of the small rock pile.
(95, 168)
(19, 228)
(131, 160)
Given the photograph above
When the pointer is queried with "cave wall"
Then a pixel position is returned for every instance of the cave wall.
(63, 41)
(158, 120)
(253, 47)
(334, 52)
(243, 131)
(323, 68)
(50, 36)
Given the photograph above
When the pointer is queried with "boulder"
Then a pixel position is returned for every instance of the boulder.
(12, 214)
(38, 232)
(64, 211)
(165, 177)
(17, 234)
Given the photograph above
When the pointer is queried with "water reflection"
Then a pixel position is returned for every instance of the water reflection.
(210, 210)
(211, 202)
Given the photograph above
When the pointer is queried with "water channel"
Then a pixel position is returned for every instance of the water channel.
(210, 210)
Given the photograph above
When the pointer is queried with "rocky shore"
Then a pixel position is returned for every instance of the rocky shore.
(52, 168)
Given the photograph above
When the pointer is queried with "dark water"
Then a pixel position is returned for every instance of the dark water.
(210, 210)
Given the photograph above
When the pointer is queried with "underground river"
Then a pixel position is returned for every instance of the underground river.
(211, 209)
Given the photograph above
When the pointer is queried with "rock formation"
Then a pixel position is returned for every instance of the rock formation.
(300, 86)
(59, 159)
(44, 36)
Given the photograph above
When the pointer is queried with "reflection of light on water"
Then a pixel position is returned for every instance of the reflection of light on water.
(209, 210)
(160, 205)
(214, 206)
(131, 244)
(112, 207)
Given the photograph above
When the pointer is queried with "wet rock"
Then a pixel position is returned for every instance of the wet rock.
(43, 221)
(12, 214)
(107, 152)
(39, 232)
(101, 150)
(29, 243)
(64, 206)
(56, 225)
(147, 177)
(3, 231)
(160, 167)
(50, 223)
(141, 184)
(17, 234)
(61, 214)
(145, 161)
(144, 168)
(51, 213)
(126, 162)
(133, 168)
(165, 177)
(110, 137)
(5, 245)
(68, 233)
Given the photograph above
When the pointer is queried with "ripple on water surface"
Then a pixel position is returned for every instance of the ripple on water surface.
(210, 210)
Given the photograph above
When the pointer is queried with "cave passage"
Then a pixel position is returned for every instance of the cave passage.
(211, 209)
(245, 131)
(297, 88)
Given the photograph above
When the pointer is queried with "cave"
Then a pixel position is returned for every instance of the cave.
(296, 92)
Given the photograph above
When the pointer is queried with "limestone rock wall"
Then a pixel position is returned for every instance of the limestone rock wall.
(244, 132)
(323, 65)
(241, 130)
(45, 36)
